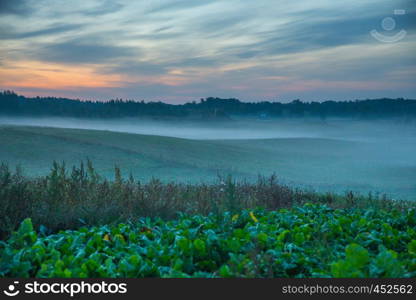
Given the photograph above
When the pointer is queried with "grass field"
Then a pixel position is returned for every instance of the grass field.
(324, 164)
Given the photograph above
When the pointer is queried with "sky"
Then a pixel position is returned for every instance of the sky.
(179, 50)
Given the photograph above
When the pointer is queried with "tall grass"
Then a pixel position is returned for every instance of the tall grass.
(72, 197)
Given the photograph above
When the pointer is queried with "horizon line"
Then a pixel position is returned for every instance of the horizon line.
(198, 101)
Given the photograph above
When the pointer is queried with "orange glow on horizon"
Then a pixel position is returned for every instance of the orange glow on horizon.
(51, 76)
(33, 74)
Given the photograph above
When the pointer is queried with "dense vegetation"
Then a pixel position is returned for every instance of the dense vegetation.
(12, 104)
(305, 241)
(70, 198)
(124, 228)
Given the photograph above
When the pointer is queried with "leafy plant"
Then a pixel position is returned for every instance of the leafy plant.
(304, 241)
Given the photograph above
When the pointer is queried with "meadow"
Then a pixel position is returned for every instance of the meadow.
(333, 157)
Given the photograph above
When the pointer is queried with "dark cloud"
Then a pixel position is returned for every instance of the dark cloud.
(312, 34)
(353, 30)
(161, 34)
(163, 28)
(131, 67)
(222, 23)
(74, 52)
(247, 54)
(136, 68)
(10, 33)
(158, 36)
(14, 7)
(179, 5)
(330, 68)
(105, 7)
(202, 61)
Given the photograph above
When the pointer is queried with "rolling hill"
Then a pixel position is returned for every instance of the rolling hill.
(319, 163)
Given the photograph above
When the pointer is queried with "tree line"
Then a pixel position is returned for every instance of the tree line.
(12, 104)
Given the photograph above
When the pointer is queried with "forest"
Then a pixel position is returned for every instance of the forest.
(12, 104)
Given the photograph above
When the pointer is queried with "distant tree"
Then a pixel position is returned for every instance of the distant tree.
(209, 108)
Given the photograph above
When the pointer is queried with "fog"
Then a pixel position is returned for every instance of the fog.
(331, 155)
(236, 129)
(188, 130)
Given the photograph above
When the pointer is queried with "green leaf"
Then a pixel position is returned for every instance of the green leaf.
(262, 238)
(282, 236)
(225, 271)
(387, 265)
(200, 246)
(357, 255)
(412, 247)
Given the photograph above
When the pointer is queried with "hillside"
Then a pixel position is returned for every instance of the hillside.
(320, 163)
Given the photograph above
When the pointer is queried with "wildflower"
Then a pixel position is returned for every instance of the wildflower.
(106, 237)
(235, 217)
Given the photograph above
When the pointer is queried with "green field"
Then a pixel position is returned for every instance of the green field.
(305, 241)
(323, 164)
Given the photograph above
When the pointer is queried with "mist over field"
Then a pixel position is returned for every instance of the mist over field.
(241, 128)
(325, 155)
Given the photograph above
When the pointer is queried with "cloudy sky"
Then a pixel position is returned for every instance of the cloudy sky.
(181, 50)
